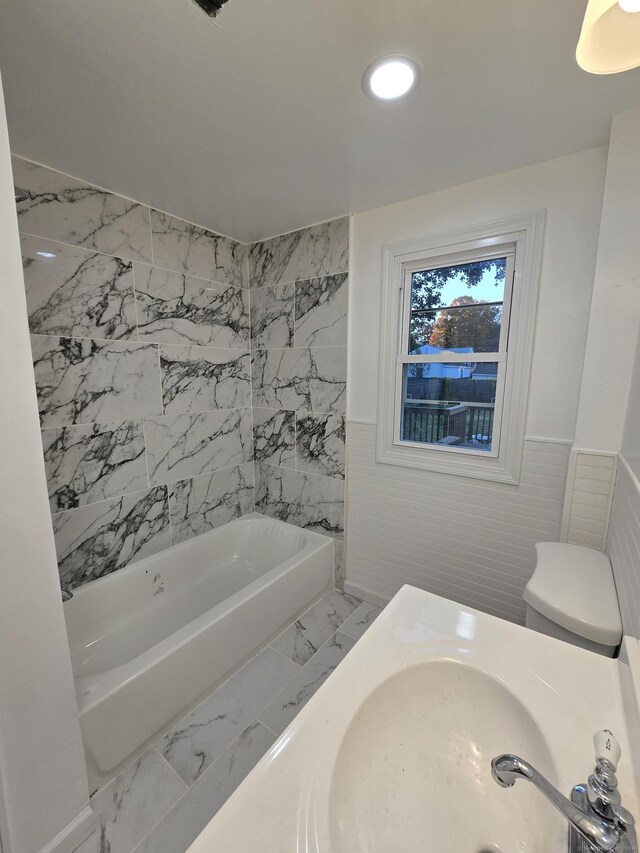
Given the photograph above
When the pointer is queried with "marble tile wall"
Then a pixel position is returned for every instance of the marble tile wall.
(141, 342)
(299, 291)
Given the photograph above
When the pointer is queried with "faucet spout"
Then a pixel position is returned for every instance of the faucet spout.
(602, 834)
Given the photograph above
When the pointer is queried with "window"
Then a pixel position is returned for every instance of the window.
(456, 341)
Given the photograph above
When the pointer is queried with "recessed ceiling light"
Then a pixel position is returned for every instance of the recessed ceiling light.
(629, 5)
(391, 77)
(46, 254)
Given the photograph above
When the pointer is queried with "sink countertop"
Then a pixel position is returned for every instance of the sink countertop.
(287, 804)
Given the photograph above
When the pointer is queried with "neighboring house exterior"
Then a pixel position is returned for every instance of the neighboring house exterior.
(441, 370)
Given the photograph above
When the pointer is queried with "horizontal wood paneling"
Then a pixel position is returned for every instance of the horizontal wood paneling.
(589, 498)
(623, 546)
(468, 540)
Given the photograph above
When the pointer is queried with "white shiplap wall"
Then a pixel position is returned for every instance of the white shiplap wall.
(588, 498)
(623, 546)
(467, 540)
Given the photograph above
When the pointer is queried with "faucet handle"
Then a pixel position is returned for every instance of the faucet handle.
(607, 748)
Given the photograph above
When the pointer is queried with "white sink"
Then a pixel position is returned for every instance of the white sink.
(412, 771)
(393, 752)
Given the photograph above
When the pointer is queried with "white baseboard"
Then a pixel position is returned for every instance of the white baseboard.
(365, 594)
(72, 836)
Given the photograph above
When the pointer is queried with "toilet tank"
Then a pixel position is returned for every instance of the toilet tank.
(571, 596)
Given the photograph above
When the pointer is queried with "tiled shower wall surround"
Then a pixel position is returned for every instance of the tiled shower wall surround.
(299, 284)
(141, 339)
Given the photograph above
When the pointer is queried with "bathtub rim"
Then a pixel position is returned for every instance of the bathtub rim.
(92, 689)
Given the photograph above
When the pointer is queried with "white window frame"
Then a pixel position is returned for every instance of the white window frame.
(519, 238)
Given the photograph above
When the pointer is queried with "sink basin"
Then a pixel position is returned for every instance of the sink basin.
(413, 769)
(393, 752)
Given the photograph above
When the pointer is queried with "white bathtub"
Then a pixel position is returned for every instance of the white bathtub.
(149, 639)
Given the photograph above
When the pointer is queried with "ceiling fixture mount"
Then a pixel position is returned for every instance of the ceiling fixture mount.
(211, 7)
(610, 37)
(391, 78)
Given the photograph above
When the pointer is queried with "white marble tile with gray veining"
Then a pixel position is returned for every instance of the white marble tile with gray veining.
(321, 312)
(309, 253)
(174, 308)
(97, 539)
(186, 820)
(320, 442)
(79, 380)
(77, 293)
(129, 807)
(287, 704)
(306, 500)
(301, 641)
(274, 437)
(272, 317)
(183, 446)
(57, 207)
(360, 620)
(207, 731)
(181, 246)
(199, 379)
(339, 568)
(202, 503)
(92, 462)
(90, 844)
(300, 379)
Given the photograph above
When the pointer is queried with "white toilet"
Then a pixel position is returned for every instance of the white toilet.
(572, 596)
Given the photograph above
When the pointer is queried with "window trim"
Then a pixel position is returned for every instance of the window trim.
(525, 234)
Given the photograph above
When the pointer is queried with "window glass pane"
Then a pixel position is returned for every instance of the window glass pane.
(461, 328)
(460, 285)
(449, 404)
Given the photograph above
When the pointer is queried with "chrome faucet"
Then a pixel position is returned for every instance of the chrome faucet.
(594, 811)
(67, 592)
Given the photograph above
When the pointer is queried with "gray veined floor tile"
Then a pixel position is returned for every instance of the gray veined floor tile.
(207, 731)
(186, 820)
(360, 620)
(302, 640)
(300, 689)
(129, 807)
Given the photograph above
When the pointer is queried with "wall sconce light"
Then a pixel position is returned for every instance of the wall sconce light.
(610, 37)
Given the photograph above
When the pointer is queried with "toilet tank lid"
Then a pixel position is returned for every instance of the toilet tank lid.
(573, 587)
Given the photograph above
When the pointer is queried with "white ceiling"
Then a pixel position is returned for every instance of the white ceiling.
(255, 124)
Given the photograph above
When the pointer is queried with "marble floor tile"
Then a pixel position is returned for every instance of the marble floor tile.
(181, 246)
(90, 844)
(58, 207)
(129, 807)
(312, 252)
(186, 820)
(100, 538)
(79, 380)
(302, 640)
(272, 317)
(183, 446)
(210, 728)
(205, 502)
(199, 379)
(93, 462)
(360, 620)
(292, 698)
(321, 312)
(174, 308)
(77, 293)
(320, 444)
(274, 437)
